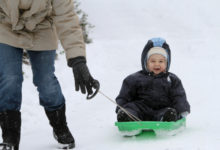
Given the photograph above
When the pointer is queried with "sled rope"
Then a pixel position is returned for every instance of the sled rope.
(128, 113)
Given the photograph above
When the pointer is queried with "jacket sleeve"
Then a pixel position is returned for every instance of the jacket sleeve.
(68, 29)
(178, 96)
(127, 93)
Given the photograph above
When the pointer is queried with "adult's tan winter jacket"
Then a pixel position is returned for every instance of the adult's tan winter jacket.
(38, 24)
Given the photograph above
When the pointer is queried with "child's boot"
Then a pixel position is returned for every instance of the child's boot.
(168, 114)
(61, 131)
(123, 117)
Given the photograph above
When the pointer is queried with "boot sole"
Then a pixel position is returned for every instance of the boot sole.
(66, 146)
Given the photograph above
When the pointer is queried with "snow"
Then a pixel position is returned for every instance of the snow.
(122, 28)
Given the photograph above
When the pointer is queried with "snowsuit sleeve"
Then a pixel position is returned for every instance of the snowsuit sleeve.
(178, 96)
(127, 92)
(68, 28)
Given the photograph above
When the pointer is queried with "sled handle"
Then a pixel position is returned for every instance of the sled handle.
(96, 86)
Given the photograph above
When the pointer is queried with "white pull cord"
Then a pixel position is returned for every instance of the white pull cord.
(128, 113)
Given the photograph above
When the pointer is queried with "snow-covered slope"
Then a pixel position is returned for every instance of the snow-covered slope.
(191, 27)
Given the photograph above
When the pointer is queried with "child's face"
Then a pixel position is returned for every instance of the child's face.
(157, 64)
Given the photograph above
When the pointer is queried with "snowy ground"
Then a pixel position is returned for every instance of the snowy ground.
(191, 27)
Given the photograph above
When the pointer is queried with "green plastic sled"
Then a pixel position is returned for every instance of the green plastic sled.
(137, 127)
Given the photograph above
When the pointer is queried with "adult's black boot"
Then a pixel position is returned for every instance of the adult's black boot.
(10, 122)
(61, 132)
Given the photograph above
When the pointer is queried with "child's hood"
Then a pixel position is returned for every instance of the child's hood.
(155, 42)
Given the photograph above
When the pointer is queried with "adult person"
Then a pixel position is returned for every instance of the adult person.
(36, 26)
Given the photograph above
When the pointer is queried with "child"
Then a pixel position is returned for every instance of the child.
(153, 93)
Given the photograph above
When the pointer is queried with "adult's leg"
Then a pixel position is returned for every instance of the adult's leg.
(50, 94)
(51, 97)
(10, 77)
(10, 94)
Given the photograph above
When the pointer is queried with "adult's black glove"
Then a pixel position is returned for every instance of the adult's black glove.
(83, 79)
